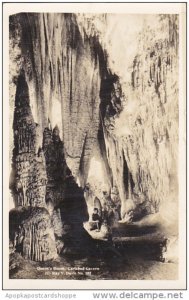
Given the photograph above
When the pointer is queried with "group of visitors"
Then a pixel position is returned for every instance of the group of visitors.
(103, 219)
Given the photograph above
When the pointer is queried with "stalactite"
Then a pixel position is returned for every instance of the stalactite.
(153, 77)
(65, 81)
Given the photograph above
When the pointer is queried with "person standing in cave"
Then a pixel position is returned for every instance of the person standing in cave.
(96, 218)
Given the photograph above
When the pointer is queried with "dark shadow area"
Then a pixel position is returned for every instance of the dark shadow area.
(129, 230)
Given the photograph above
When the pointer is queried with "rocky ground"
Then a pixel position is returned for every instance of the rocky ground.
(125, 268)
(134, 254)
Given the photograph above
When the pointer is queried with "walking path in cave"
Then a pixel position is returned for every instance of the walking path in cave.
(136, 252)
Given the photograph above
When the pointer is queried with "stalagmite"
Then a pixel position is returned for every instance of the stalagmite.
(71, 108)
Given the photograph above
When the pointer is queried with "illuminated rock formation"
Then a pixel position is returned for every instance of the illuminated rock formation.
(85, 113)
(29, 182)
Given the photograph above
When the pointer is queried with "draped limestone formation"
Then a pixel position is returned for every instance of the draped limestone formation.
(69, 108)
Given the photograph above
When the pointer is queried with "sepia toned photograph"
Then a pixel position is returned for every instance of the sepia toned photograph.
(93, 152)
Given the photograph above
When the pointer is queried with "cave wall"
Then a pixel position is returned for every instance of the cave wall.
(143, 132)
(62, 72)
(46, 195)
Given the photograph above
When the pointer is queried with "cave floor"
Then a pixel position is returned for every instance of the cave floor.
(135, 254)
(65, 269)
